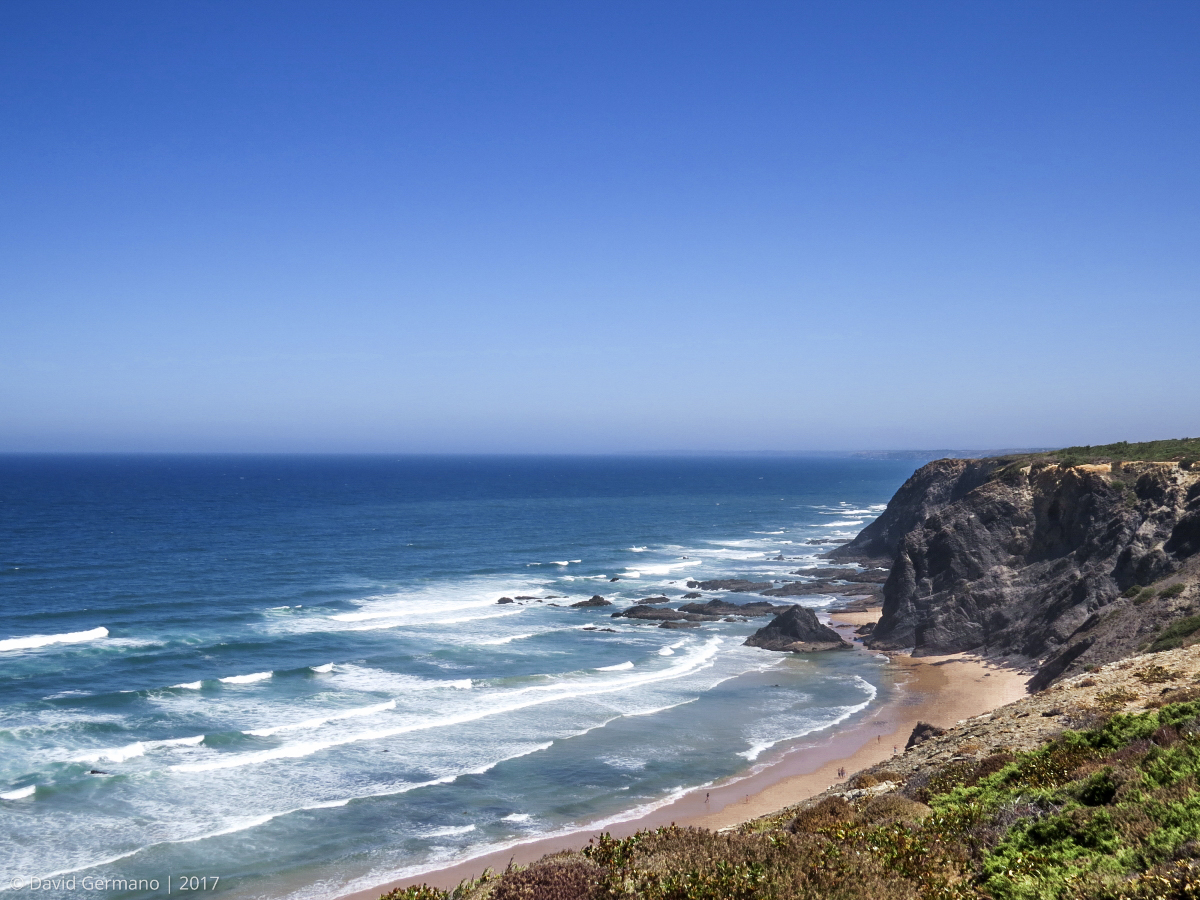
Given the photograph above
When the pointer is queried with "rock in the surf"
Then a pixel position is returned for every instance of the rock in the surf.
(799, 631)
(725, 608)
(736, 585)
(596, 600)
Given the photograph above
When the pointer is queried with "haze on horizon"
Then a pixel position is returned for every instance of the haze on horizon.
(597, 227)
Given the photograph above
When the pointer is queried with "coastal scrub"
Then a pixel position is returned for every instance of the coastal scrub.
(1111, 812)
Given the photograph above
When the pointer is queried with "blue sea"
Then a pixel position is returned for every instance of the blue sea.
(292, 673)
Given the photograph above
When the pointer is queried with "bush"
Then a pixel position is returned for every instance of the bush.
(1155, 674)
(1144, 595)
(416, 892)
(1174, 635)
(550, 881)
(829, 813)
(1173, 591)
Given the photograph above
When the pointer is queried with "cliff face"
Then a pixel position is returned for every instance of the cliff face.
(1025, 559)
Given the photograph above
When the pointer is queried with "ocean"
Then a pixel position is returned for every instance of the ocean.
(292, 674)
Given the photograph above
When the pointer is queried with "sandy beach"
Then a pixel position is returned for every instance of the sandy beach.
(938, 689)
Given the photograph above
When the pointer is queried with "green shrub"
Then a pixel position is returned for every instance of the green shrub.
(1174, 635)
(416, 892)
(1144, 596)
(1105, 813)
(1132, 591)
(1173, 591)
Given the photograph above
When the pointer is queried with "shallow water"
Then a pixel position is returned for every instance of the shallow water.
(292, 673)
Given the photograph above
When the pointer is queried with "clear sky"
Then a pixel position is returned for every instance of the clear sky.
(592, 227)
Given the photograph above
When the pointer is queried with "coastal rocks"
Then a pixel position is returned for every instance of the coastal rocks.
(661, 614)
(596, 600)
(504, 600)
(923, 731)
(797, 630)
(725, 608)
(736, 585)
(810, 588)
(692, 596)
(645, 600)
(867, 576)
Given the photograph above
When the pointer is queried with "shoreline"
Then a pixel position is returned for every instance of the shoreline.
(939, 689)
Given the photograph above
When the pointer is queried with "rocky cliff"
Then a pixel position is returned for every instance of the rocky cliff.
(1037, 559)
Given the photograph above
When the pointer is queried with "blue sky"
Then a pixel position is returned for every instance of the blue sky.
(594, 227)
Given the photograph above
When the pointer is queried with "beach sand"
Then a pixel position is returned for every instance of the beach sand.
(942, 690)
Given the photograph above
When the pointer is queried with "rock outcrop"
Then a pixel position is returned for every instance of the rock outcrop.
(923, 731)
(1030, 558)
(797, 630)
(646, 613)
(725, 608)
(813, 588)
(595, 600)
(736, 585)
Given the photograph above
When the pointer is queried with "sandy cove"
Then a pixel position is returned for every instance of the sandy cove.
(943, 690)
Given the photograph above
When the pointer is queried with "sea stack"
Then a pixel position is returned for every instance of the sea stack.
(797, 630)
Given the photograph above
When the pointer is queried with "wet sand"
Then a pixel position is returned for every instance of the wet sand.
(938, 689)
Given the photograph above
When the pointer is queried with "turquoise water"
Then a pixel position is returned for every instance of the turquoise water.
(292, 674)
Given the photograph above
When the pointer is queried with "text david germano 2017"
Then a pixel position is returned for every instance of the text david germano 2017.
(172, 883)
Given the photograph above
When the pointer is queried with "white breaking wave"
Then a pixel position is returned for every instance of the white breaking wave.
(190, 685)
(328, 667)
(659, 709)
(365, 679)
(318, 721)
(450, 830)
(638, 549)
(619, 667)
(512, 701)
(843, 522)
(506, 640)
(247, 679)
(368, 882)
(34, 641)
(626, 763)
(470, 617)
(517, 817)
(19, 793)
(139, 748)
(841, 714)
(665, 568)
(256, 821)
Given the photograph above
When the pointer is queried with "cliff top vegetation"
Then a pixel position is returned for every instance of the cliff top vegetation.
(1185, 450)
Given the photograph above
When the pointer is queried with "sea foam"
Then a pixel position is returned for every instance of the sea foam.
(34, 641)
(247, 679)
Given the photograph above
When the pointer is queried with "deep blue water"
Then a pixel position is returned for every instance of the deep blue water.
(293, 670)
